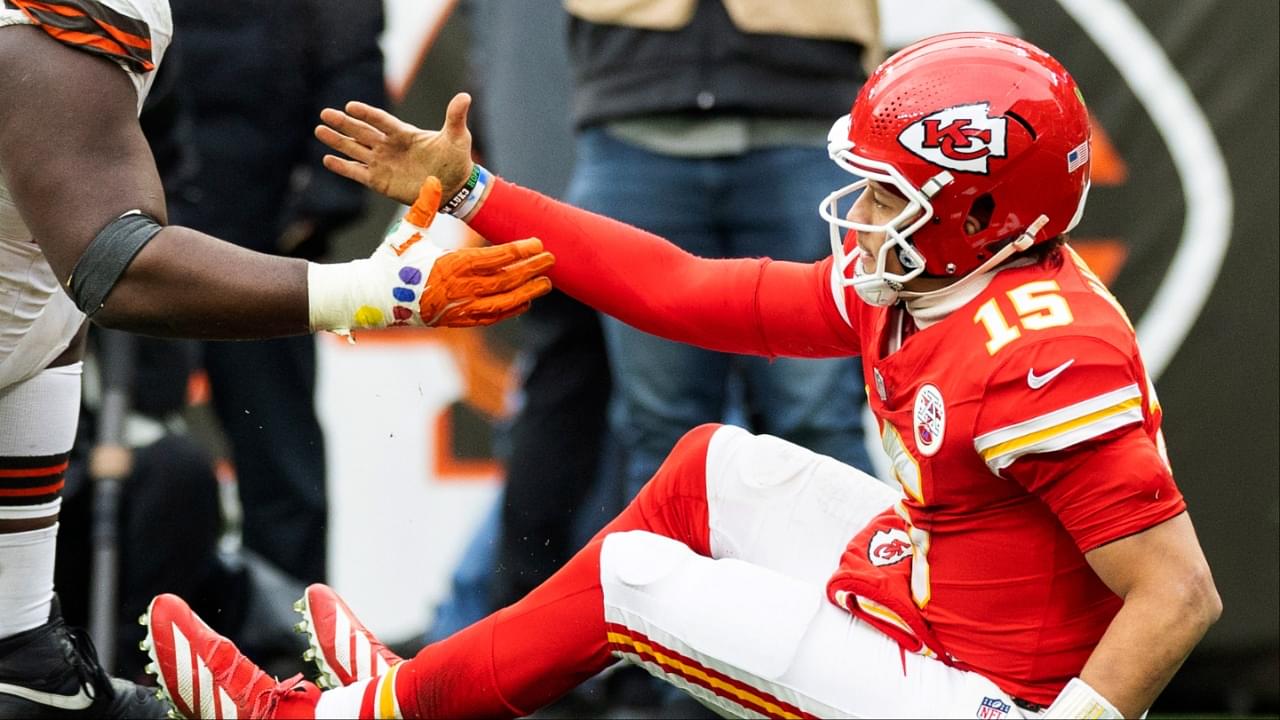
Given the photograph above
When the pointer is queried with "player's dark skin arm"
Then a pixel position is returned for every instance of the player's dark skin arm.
(74, 157)
(1169, 603)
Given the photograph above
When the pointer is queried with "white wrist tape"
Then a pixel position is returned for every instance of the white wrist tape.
(376, 292)
(1078, 700)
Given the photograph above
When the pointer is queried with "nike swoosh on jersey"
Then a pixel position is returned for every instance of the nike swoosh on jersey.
(78, 701)
(1038, 381)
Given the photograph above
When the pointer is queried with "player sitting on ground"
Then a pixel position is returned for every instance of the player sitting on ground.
(1039, 559)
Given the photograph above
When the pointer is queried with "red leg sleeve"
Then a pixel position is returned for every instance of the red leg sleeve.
(533, 652)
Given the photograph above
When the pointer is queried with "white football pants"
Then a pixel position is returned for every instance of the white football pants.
(750, 633)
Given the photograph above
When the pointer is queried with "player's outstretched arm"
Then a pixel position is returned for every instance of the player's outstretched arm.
(75, 160)
(632, 275)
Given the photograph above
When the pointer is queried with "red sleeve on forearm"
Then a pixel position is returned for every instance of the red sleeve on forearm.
(750, 306)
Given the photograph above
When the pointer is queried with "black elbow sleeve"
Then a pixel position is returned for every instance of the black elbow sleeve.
(107, 257)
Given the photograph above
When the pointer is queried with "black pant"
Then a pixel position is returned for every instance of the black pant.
(168, 531)
(264, 396)
(555, 443)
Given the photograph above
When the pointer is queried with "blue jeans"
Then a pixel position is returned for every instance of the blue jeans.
(760, 204)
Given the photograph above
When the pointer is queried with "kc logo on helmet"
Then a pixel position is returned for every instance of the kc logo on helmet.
(959, 138)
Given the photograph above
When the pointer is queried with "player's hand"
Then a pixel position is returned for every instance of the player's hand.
(409, 280)
(463, 287)
(480, 286)
(394, 158)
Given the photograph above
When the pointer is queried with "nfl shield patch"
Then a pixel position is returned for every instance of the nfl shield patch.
(993, 708)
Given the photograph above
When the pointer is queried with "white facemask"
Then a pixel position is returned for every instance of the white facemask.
(873, 288)
(879, 287)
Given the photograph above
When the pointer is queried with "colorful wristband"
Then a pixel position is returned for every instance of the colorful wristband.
(468, 198)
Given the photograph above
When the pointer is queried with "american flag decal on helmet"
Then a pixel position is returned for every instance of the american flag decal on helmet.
(1078, 156)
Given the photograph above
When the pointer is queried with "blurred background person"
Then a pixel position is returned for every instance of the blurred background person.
(256, 75)
(681, 109)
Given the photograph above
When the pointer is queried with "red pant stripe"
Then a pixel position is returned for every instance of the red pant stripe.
(625, 640)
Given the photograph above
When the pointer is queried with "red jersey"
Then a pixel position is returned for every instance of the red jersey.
(1024, 433)
(1022, 427)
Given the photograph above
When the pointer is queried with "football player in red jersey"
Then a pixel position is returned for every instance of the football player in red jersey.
(1039, 560)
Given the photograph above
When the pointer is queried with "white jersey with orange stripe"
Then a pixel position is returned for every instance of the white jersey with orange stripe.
(133, 33)
(37, 319)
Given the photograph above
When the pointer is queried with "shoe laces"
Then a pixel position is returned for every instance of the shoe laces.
(84, 658)
(265, 704)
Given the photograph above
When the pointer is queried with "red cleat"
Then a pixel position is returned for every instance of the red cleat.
(202, 673)
(341, 647)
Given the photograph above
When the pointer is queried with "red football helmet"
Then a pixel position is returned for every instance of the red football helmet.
(960, 124)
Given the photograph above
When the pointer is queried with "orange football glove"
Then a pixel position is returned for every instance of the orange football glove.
(409, 280)
(480, 286)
